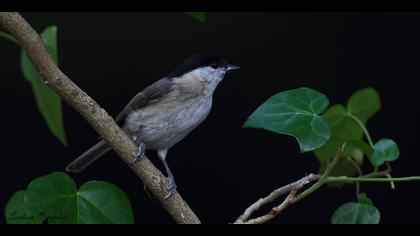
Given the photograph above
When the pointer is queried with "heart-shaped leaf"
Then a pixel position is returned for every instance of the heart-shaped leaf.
(362, 212)
(364, 104)
(295, 113)
(384, 150)
(55, 199)
(47, 101)
(199, 16)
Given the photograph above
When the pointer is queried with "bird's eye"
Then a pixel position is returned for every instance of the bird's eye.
(214, 65)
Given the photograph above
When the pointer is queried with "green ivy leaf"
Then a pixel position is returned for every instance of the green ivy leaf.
(17, 212)
(343, 126)
(345, 166)
(47, 101)
(384, 150)
(326, 152)
(362, 146)
(362, 212)
(363, 199)
(200, 16)
(364, 104)
(295, 113)
(54, 198)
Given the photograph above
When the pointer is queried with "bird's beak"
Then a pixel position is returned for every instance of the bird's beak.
(232, 67)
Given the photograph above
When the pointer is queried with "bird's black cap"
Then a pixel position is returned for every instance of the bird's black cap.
(197, 61)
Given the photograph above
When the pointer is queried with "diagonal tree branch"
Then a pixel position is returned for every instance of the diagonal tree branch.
(97, 117)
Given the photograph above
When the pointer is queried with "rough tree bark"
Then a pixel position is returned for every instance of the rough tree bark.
(97, 117)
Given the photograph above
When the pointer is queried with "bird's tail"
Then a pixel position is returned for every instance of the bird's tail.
(88, 157)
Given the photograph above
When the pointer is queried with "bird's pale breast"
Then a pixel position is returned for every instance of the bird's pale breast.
(162, 124)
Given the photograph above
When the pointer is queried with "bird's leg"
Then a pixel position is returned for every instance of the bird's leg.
(171, 179)
(140, 150)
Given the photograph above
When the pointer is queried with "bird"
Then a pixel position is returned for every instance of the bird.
(165, 112)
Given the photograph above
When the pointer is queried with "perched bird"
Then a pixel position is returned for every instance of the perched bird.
(165, 112)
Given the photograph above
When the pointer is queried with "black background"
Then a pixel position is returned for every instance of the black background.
(221, 168)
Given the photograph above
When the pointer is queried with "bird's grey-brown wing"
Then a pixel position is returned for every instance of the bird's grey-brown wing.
(149, 95)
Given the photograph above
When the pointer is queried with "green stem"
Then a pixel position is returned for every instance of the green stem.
(324, 176)
(310, 190)
(8, 37)
(360, 123)
(372, 180)
(373, 177)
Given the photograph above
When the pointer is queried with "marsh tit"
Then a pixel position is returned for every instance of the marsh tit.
(165, 112)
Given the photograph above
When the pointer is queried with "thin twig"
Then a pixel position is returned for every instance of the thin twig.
(359, 171)
(292, 189)
(377, 174)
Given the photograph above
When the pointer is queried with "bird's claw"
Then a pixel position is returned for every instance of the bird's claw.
(140, 153)
(171, 189)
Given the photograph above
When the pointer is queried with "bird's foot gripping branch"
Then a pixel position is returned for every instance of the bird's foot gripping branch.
(337, 136)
